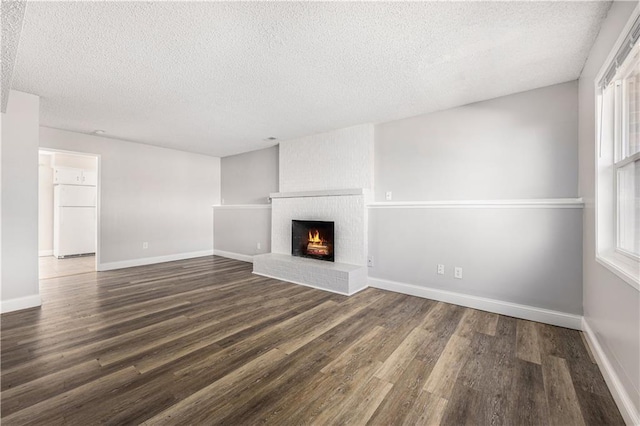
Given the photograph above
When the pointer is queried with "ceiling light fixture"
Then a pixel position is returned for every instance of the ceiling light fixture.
(271, 138)
(99, 132)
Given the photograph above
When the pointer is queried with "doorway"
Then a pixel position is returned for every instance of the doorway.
(68, 213)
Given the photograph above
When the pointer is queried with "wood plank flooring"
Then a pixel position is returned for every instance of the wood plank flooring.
(204, 341)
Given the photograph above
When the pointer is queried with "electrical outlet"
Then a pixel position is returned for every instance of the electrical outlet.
(440, 269)
(387, 196)
(145, 245)
(370, 261)
(258, 246)
(457, 272)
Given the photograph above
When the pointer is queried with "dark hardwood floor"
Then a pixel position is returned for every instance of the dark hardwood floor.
(204, 341)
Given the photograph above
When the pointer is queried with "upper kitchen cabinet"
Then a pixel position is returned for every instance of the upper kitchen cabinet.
(73, 176)
(89, 178)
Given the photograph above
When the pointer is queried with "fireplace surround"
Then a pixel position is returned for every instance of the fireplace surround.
(340, 196)
(345, 210)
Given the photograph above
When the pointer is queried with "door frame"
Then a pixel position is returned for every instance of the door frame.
(98, 192)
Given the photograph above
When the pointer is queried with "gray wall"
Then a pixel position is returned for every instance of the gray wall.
(240, 229)
(249, 178)
(518, 146)
(525, 256)
(521, 146)
(148, 194)
(611, 306)
(19, 160)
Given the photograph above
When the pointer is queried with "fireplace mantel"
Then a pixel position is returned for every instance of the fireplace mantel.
(322, 193)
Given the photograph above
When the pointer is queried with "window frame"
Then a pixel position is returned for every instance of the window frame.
(607, 201)
(621, 145)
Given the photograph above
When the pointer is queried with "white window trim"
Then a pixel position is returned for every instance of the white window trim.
(621, 265)
(624, 265)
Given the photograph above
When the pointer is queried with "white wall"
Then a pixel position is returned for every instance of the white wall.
(19, 287)
(518, 146)
(340, 159)
(45, 205)
(522, 146)
(85, 162)
(611, 306)
(148, 194)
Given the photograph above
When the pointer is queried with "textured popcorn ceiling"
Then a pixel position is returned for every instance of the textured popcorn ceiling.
(218, 78)
(12, 14)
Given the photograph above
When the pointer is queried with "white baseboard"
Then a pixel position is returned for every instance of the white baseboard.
(236, 256)
(20, 303)
(623, 400)
(43, 253)
(310, 285)
(516, 310)
(152, 260)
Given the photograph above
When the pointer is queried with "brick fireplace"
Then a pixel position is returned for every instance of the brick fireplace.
(346, 156)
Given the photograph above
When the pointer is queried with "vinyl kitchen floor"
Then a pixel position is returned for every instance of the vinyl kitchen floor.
(51, 267)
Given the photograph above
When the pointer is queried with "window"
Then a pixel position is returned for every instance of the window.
(618, 163)
(627, 158)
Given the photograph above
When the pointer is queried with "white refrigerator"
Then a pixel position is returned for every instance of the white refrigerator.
(74, 220)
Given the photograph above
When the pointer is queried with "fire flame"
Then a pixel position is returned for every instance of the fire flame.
(315, 238)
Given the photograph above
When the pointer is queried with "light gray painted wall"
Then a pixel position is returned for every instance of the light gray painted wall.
(525, 256)
(246, 178)
(148, 194)
(238, 230)
(45, 203)
(20, 197)
(84, 162)
(611, 306)
(249, 178)
(518, 146)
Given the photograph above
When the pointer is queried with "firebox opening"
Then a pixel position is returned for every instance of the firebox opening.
(312, 238)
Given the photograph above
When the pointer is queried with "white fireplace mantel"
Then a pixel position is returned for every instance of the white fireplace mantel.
(321, 193)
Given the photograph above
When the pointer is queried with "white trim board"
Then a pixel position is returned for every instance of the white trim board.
(535, 203)
(516, 310)
(310, 285)
(151, 260)
(620, 395)
(44, 253)
(20, 303)
(622, 270)
(241, 206)
(230, 255)
(320, 193)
